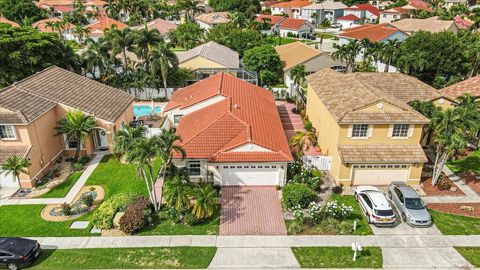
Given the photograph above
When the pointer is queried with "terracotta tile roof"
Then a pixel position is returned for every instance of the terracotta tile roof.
(374, 32)
(10, 151)
(395, 10)
(367, 7)
(64, 8)
(346, 95)
(462, 23)
(58, 85)
(212, 51)
(7, 21)
(293, 24)
(214, 17)
(470, 86)
(295, 53)
(291, 4)
(273, 19)
(432, 24)
(97, 28)
(349, 17)
(269, 3)
(99, 3)
(56, 2)
(247, 114)
(327, 5)
(418, 5)
(374, 153)
(43, 27)
(163, 26)
(20, 107)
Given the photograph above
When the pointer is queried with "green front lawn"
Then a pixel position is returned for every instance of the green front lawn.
(454, 224)
(466, 164)
(61, 190)
(25, 220)
(162, 226)
(111, 174)
(471, 254)
(125, 258)
(338, 257)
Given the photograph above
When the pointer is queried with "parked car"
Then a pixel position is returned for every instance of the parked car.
(375, 206)
(409, 205)
(16, 253)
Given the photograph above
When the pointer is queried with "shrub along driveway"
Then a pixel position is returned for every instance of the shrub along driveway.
(251, 211)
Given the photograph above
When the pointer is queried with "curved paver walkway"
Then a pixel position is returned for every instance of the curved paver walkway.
(70, 195)
(251, 210)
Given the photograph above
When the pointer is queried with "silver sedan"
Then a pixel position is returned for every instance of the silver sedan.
(409, 205)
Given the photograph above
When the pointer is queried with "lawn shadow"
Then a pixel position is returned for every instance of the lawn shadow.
(44, 255)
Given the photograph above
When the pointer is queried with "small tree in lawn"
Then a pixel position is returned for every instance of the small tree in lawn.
(76, 126)
(206, 202)
(177, 191)
(16, 165)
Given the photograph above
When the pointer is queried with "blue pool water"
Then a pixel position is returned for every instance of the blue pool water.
(140, 110)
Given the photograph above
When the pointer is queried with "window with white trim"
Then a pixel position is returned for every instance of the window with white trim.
(193, 167)
(360, 131)
(7, 132)
(71, 143)
(400, 130)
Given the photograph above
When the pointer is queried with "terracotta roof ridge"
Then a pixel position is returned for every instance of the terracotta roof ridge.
(208, 126)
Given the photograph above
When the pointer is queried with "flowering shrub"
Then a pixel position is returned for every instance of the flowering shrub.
(314, 212)
(296, 194)
(294, 168)
(310, 177)
(333, 209)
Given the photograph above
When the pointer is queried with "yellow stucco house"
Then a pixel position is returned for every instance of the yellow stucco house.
(364, 123)
(30, 109)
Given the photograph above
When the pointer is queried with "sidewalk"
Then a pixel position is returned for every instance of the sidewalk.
(70, 195)
(384, 241)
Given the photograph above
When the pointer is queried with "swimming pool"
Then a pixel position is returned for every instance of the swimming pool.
(140, 110)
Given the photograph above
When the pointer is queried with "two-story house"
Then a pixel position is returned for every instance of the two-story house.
(293, 9)
(231, 132)
(364, 123)
(31, 108)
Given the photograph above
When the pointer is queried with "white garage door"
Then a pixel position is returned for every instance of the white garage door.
(379, 174)
(7, 180)
(251, 175)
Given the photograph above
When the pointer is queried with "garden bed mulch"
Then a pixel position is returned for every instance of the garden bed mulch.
(436, 191)
(455, 208)
(472, 180)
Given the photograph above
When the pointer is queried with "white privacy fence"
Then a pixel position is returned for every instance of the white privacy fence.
(151, 93)
(153, 131)
(322, 163)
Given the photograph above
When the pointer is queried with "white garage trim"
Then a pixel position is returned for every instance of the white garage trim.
(251, 174)
(7, 180)
(379, 174)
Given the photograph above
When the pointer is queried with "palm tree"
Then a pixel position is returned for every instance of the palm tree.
(95, 56)
(177, 190)
(298, 74)
(375, 50)
(126, 138)
(389, 53)
(122, 41)
(190, 8)
(163, 59)
(76, 125)
(57, 26)
(16, 165)
(341, 54)
(145, 41)
(365, 45)
(302, 140)
(352, 49)
(206, 202)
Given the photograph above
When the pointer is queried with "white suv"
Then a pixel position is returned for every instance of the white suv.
(375, 206)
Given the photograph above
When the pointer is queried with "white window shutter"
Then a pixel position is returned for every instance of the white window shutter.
(390, 131)
(349, 132)
(370, 131)
(410, 130)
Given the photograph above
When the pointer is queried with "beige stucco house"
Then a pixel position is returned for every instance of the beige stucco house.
(364, 123)
(30, 109)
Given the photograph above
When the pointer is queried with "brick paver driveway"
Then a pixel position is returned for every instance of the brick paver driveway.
(249, 210)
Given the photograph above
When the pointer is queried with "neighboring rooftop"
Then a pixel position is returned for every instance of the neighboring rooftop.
(212, 51)
(163, 26)
(462, 23)
(292, 4)
(418, 5)
(327, 5)
(246, 115)
(214, 17)
(271, 19)
(395, 10)
(42, 25)
(97, 28)
(346, 95)
(295, 53)
(7, 21)
(374, 32)
(349, 17)
(382, 153)
(469, 86)
(293, 24)
(24, 101)
(367, 7)
(432, 24)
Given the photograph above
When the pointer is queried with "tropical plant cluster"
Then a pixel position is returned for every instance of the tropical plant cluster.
(297, 195)
(137, 215)
(309, 176)
(103, 216)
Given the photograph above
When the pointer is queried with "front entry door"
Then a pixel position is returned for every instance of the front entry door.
(101, 139)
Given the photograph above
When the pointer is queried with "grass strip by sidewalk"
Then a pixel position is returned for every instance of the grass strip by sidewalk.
(61, 190)
(454, 224)
(471, 254)
(125, 258)
(338, 257)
